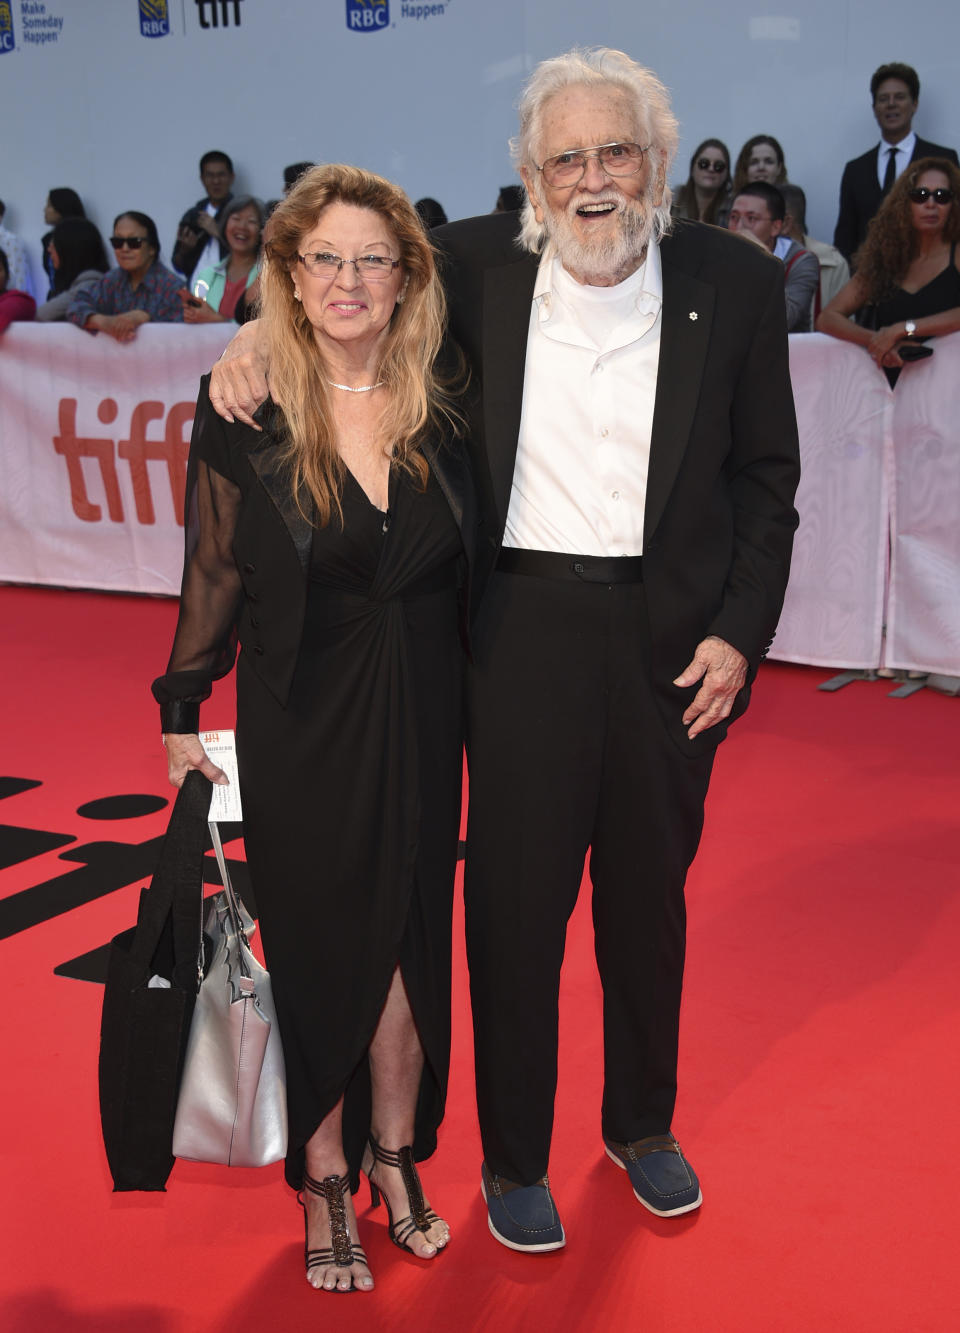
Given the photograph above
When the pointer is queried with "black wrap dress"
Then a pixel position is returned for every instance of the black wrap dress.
(349, 753)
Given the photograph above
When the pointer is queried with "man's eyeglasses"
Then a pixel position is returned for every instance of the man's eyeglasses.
(704, 164)
(131, 242)
(616, 159)
(921, 194)
(372, 268)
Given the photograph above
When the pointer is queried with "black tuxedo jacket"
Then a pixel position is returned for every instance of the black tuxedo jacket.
(724, 460)
(861, 195)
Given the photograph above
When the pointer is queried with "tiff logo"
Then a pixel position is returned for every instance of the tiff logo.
(207, 9)
(136, 451)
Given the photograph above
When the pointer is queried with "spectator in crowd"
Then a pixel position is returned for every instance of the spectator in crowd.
(834, 269)
(17, 266)
(761, 159)
(907, 285)
(139, 289)
(61, 203)
(292, 174)
(759, 210)
(216, 290)
(867, 180)
(705, 196)
(431, 213)
(199, 241)
(79, 261)
(510, 199)
(14, 304)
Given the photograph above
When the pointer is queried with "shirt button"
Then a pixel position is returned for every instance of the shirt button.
(598, 369)
(614, 495)
(603, 432)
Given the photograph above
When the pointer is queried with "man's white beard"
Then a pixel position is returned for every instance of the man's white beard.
(602, 258)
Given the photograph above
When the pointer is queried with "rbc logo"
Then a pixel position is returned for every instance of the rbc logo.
(154, 18)
(368, 15)
(6, 28)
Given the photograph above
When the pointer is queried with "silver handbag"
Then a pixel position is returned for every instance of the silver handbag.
(232, 1106)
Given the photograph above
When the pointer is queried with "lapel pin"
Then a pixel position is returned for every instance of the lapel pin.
(693, 314)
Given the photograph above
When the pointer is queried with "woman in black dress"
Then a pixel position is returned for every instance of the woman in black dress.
(331, 543)
(907, 285)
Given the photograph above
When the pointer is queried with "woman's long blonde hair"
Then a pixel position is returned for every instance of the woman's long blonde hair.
(415, 397)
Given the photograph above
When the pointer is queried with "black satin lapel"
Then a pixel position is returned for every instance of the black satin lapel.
(688, 305)
(275, 480)
(448, 468)
(508, 292)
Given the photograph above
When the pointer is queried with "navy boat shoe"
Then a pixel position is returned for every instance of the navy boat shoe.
(522, 1217)
(662, 1178)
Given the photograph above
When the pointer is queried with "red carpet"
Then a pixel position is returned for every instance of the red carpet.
(819, 1083)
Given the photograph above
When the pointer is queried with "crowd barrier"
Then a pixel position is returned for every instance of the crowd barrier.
(94, 439)
(878, 545)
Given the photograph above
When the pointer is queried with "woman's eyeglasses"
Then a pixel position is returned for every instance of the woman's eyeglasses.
(922, 194)
(373, 268)
(131, 242)
(704, 164)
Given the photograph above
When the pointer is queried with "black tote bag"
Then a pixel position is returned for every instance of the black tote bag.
(144, 1028)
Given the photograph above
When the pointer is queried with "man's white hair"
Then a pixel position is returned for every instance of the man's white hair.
(599, 66)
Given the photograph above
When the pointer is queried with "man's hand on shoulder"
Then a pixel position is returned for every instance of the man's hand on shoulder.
(723, 671)
(238, 381)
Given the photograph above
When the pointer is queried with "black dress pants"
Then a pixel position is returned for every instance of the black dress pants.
(567, 751)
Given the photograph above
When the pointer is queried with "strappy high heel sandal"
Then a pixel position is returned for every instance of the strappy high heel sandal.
(341, 1252)
(420, 1218)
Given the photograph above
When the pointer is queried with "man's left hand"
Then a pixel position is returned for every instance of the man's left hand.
(723, 671)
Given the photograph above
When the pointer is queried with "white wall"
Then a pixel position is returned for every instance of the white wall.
(429, 101)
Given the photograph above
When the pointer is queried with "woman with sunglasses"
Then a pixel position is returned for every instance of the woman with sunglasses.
(705, 197)
(139, 289)
(906, 287)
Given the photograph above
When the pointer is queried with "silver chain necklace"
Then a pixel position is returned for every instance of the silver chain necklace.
(360, 388)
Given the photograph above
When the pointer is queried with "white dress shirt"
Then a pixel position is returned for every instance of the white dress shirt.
(904, 153)
(590, 382)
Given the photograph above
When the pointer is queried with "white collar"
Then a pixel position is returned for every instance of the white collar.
(906, 145)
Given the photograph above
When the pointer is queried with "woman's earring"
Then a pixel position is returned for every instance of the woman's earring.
(296, 293)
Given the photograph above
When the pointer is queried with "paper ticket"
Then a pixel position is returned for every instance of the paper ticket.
(221, 748)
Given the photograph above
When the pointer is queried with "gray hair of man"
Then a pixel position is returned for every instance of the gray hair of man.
(597, 67)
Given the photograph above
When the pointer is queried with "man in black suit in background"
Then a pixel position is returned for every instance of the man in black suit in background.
(634, 449)
(867, 180)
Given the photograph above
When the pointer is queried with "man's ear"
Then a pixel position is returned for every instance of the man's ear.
(529, 180)
(777, 226)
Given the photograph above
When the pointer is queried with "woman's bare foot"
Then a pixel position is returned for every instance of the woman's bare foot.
(334, 1258)
(399, 1182)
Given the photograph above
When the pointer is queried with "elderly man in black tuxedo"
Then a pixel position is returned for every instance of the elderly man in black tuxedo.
(867, 180)
(634, 450)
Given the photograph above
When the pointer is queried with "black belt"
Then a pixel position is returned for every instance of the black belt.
(559, 565)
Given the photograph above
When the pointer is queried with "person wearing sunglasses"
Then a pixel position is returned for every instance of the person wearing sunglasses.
(705, 195)
(906, 288)
(139, 289)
